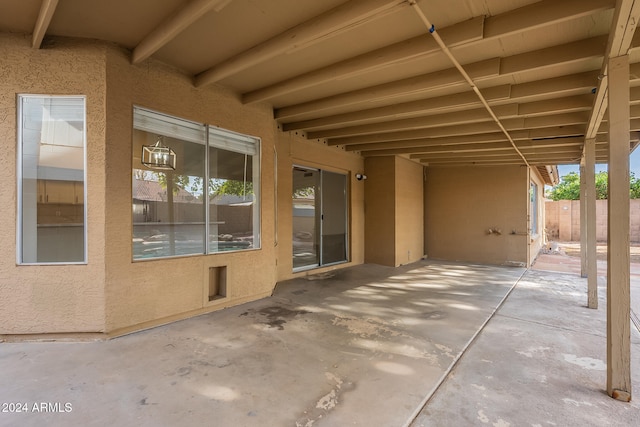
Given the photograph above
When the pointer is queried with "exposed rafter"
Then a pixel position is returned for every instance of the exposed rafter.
(173, 26)
(47, 9)
(538, 15)
(482, 70)
(329, 24)
(621, 38)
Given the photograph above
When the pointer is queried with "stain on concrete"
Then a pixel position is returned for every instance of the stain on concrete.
(184, 371)
(276, 316)
(434, 315)
(585, 362)
(143, 402)
(534, 351)
(365, 328)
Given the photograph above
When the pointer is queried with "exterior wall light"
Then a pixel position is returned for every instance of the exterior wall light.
(361, 176)
(158, 156)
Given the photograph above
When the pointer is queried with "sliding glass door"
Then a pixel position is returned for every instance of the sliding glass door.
(319, 218)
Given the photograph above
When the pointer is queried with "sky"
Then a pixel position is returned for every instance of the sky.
(634, 165)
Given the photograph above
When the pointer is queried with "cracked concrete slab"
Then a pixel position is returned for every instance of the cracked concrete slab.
(363, 346)
(540, 361)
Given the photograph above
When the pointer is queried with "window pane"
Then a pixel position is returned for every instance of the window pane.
(233, 186)
(306, 221)
(334, 217)
(52, 202)
(168, 205)
(211, 192)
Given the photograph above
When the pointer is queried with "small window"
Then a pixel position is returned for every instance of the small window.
(201, 199)
(51, 182)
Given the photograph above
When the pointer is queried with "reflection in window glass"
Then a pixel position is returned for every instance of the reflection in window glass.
(52, 174)
(174, 210)
(168, 207)
(533, 199)
(233, 212)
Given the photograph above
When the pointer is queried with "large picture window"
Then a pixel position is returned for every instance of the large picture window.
(202, 198)
(51, 190)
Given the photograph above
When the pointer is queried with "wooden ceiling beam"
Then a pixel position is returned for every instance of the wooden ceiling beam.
(454, 102)
(462, 102)
(621, 38)
(458, 134)
(437, 120)
(329, 24)
(465, 123)
(562, 144)
(423, 83)
(47, 9)
(174, 25)
(494, 155)
(482, 70)
(574, 85)
(428, 142)
(414, 48)
(434, 145)
(540, 14)
(476, 30)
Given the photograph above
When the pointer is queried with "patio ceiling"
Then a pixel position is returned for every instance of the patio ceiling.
(498, 82)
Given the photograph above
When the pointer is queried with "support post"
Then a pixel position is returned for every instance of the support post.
(618, 268)
(590, 220)
(583, 219)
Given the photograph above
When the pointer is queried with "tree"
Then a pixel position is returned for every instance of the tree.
(569, 187)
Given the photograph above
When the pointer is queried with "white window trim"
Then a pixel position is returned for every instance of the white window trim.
(19, 175)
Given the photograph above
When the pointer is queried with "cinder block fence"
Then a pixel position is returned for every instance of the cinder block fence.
(562, 220)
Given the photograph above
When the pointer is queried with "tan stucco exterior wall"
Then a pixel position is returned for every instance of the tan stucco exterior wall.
(36, 299)
(112, 294)
(394, 210)
(150, 292)
(463, 204)
(380, 196)
(293, 149)
(409, 211)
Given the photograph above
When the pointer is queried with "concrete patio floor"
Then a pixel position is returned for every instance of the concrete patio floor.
(367, 346)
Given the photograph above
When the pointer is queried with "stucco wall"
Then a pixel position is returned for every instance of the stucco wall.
(52, 298)
(409, 211)
(462, 204)
(380, 196)
(112, 293)
(394, 210)
(163, 289)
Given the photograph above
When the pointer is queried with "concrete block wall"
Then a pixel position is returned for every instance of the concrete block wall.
(562, 220)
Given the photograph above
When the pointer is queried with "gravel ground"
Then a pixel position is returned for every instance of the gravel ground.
(573, 249)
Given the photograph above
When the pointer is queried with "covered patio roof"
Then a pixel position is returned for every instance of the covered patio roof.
(489, 82)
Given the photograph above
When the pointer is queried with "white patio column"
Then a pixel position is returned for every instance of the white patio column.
(618, 269)
(590, 221)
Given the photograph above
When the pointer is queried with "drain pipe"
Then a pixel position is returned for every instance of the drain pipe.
(465, 75)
